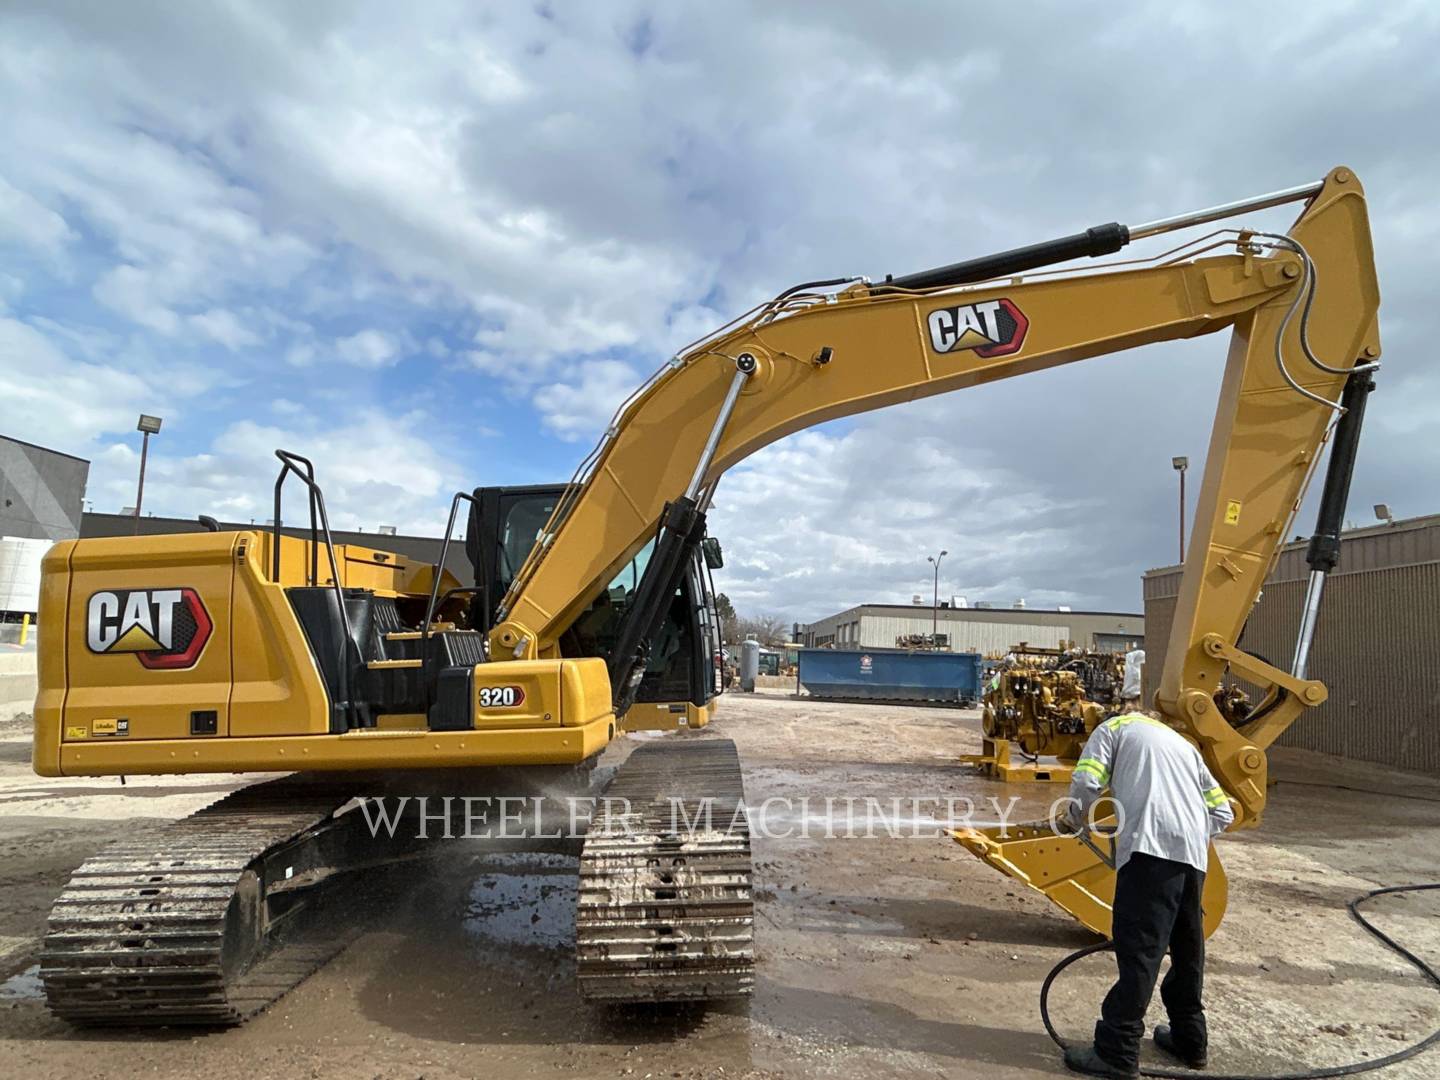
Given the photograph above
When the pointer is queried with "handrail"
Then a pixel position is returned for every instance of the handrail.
(435, 587)
(317, 500)
(309, 479)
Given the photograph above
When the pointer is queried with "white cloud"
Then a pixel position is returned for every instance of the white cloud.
(55, 400)
(376, 469)
(27, 221)
(368, 348)
(225, 328)
(575, 410)
(135, 294)
(823, 520)
(300, 354)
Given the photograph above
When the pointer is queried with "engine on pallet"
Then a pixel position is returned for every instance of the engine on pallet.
(1044, 703)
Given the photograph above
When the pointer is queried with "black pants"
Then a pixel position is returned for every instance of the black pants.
(1157, 908)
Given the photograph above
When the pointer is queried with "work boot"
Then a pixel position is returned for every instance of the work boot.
(1166, 1041)
(1084, 1059)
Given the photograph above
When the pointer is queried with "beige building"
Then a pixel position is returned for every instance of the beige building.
(974, 629)
(1377, 645)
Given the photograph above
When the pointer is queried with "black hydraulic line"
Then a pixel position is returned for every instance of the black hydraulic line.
(681, 529)
(805, 286)
(1324, 551)
(1093, 242)
(1352, 906)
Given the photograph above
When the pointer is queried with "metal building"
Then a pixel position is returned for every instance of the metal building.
(985, 630)
(1377, 645)
(42, 493)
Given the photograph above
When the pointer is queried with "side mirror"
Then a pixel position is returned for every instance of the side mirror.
(714, 557)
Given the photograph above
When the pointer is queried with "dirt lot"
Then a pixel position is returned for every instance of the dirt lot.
(877, 957)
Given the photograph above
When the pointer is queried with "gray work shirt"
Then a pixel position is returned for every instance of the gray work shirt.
(1170, 804)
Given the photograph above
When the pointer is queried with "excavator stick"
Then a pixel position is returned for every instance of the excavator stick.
(1073, 873)
(1266, 415)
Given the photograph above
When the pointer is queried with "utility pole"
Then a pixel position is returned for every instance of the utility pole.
(935, 600)
(1180, 464)
(150, 425)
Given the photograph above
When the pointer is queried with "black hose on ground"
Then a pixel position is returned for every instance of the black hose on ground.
(1353, 906)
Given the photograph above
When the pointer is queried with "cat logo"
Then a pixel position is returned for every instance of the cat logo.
(165, 628)
(989, 328)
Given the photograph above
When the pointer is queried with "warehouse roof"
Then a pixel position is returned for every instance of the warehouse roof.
(972, 607)
(927, 609)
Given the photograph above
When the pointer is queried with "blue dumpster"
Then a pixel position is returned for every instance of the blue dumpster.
(891, 675)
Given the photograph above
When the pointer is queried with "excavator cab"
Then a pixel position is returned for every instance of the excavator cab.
(683, 675)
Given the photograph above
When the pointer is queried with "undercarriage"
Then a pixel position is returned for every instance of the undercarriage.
(209, 919)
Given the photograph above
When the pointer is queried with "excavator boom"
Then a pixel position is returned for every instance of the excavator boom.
(1301, 308)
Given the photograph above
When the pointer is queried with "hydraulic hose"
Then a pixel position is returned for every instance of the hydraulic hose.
(1353, 906)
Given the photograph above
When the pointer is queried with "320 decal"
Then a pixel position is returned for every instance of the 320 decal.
(501, 697)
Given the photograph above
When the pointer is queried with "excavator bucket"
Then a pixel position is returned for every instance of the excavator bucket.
(1071, 873)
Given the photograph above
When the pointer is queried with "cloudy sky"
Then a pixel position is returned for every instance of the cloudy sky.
(432, 245)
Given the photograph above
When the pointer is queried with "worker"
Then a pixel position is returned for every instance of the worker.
(1168, 808)
(1134, 671)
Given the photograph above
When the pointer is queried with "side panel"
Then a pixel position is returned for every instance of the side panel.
(122, 597)
(54, 617)
(277, 686)
(540, 693)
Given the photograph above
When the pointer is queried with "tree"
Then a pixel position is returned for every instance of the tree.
(767, 629)
(728, 620)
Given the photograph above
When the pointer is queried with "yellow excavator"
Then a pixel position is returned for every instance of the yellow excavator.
(360, 673)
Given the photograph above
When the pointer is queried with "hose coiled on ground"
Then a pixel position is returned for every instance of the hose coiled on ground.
(1353, 906)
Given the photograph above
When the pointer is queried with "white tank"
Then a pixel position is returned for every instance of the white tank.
(749, 664)
(20, 573)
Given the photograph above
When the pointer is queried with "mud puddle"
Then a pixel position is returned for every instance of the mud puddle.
(522, 900)
(25, 986)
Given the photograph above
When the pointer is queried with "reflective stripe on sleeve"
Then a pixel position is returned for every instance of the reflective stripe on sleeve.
(1093, 768)
(1215, 798)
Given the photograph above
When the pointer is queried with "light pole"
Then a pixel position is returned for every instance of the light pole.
(150, 425)
(935, 602)
(1180, 464)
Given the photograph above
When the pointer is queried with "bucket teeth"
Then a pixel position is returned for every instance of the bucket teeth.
(666, 906)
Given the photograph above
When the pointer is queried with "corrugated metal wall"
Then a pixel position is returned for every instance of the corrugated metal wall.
(1376, 650)
(1377, 646)
(880, 632)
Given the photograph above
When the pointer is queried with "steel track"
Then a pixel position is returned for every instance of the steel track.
(171, 926)
(666, 906)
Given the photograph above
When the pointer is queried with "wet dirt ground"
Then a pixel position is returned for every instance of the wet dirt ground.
(885, 957)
